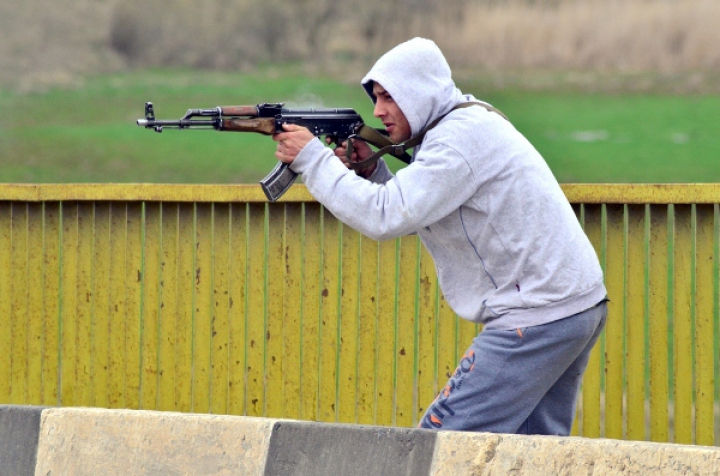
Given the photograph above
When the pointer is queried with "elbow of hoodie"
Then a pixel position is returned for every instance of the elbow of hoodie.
(381, 235)
(374, 212)
(388, 219)
(383, 229)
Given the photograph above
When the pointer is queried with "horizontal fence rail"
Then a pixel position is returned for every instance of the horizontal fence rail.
(204, 298)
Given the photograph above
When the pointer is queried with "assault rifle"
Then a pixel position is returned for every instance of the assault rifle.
(339, 124)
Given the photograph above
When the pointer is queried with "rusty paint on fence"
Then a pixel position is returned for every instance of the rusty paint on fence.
(206, 298)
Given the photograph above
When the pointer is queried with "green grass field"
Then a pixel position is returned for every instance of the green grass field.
(88, 133)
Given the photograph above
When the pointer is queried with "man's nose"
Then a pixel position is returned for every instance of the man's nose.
(379, 111)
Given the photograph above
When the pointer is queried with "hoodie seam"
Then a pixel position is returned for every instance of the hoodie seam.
(467, 237)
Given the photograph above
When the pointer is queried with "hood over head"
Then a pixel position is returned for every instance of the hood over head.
(418, 78)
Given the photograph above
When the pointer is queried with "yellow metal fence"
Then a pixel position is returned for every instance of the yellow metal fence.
(207, 299)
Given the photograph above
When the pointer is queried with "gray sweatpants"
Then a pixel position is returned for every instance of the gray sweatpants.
(520, 381)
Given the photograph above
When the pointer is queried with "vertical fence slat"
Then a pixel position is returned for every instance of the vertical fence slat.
(292, 312)
(133, 308)
(83, 311)
(635, 337)
(591, 385)
(348, 341)
(716, 323)
(52, 231)
(202, 307)
(68, 323)
(6, 300)
(704, 327)
(238, 308)
(117, 312)
(219, 310)
(18, 325)
(167, 327)
(385, 354)
(274, 304)
(367, 329)
(427, 335)
(447, 343)
(682, 324)
(406, 389)
(658, 325)
(615, 327)
(256, 318)
(575, 429)
(101, 304)
(311, 237)
(35, 301)
(330, 312)
(184, 325)
(150, 310)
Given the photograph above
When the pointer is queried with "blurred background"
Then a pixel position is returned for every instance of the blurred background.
(607, 90)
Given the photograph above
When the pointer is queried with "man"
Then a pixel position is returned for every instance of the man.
(507, 246)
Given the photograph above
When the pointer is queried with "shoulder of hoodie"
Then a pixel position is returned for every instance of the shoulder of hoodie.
(470, 127)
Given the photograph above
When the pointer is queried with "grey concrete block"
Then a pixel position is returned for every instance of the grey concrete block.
(300, 448)
(19, 430)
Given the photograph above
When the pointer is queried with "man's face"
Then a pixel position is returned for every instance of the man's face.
(387, 110)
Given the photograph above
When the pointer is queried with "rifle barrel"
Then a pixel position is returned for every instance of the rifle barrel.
(177, 123)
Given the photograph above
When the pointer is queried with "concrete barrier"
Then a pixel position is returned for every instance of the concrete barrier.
(89, 441)
(81, 441)
(19, 429)
(489, 454)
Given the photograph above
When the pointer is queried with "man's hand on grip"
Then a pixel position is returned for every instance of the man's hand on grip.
(361, 151)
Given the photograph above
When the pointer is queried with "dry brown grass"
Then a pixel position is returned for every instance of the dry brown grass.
(599, 35)
(47, 43)
(57, 42)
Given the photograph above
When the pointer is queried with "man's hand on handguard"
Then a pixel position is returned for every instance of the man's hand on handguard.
(361, 151)
(291, 142)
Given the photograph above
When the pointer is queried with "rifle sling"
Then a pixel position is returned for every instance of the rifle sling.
(387, 146)
(382, 142)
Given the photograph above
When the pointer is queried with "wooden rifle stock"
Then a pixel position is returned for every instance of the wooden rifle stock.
(263, 125)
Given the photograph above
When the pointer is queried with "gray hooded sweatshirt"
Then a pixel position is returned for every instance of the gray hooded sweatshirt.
(508, 249)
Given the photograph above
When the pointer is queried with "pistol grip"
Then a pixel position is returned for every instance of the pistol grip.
(278, 181)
